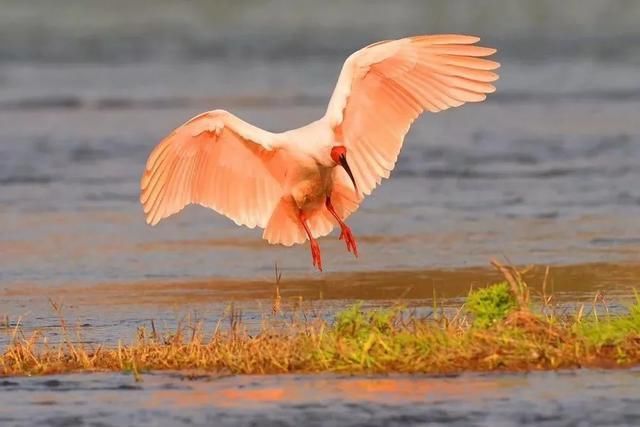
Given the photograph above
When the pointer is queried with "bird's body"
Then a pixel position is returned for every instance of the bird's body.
(288, 183)
(310, 179)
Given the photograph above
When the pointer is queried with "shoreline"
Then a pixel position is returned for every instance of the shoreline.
(498, 328)
(405, 284)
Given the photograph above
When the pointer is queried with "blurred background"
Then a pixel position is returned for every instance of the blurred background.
(545, 171)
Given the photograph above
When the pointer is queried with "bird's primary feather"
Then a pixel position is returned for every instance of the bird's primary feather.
(384, 87)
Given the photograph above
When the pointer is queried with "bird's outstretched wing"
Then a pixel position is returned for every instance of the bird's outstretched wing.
(218, 161)
(384, 87)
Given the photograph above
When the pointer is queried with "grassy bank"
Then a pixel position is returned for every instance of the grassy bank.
(498, 328)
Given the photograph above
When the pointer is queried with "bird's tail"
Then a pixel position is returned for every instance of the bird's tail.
(284, 226)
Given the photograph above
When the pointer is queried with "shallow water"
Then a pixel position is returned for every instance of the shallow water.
(587, 397)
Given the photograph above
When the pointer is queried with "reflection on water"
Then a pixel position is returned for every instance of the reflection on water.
(554, 398)
(296, 390)
(566, 283)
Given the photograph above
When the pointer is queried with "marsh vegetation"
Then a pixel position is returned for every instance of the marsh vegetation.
(500, 327)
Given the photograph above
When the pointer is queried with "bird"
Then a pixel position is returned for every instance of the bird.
(299, 184)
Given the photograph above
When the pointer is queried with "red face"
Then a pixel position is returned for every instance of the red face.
(337, 152)
(339, 155)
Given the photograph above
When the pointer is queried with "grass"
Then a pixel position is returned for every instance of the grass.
(491, 305)
(498, 328)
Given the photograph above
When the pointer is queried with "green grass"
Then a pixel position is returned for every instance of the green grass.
(611, 330)
(491, 305)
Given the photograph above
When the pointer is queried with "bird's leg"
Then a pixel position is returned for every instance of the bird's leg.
(315, 248)
(345, 231)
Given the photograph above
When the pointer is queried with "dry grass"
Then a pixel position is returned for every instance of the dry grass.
(496, 330)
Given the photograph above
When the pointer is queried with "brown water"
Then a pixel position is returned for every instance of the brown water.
(545, 172)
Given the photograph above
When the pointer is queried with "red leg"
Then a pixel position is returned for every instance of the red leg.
(345, 231)
(315, 248)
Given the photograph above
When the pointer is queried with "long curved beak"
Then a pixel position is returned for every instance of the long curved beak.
(345, 165)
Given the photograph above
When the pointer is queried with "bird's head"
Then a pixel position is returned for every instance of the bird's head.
(339, 156)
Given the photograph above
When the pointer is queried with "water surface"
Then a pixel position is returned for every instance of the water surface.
(545, 172)
(549, 180)
(587, 397)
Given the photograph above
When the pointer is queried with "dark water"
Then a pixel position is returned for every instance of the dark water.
(583, 398)
(545, 172)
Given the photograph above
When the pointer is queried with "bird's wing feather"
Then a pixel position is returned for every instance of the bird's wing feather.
(384, 87)
(219, 161)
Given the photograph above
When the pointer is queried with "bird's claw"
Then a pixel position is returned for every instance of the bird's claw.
(315, 254)
(347, 235)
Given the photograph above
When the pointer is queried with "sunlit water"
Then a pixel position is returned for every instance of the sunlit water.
(536, 399)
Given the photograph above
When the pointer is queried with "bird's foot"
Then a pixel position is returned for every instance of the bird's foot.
(315, 254)
(349, 239)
